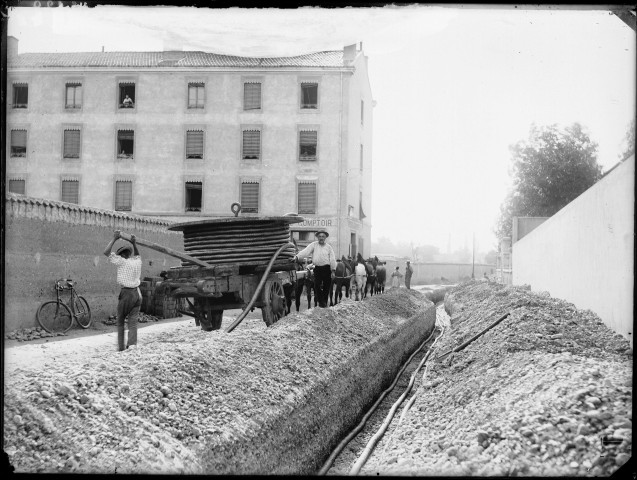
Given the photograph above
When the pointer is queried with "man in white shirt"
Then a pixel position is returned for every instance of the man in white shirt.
(324, 262)
(129, 270)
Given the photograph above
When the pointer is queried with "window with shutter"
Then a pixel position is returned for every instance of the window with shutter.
(17, 186)
(195, 95)
(194, 191)
(250, 197)
(18, 143)
(20, 95)
(124, 195)
(125, 144)
(71, 191)
(307, 198)
(194, 144)
(71, 144)
(73, 95)
(251, 149)
(251, 96)
(309, 95)
(308, 141)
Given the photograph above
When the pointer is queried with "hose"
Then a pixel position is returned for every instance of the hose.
(472, 339)
(339, 448)
(258, 289)
(369, 448)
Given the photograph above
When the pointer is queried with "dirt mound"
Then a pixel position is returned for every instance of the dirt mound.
(258, 400)
(546, 392)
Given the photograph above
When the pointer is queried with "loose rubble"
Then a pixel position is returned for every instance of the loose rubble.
(27, 334)
(546, 392)
(187, 401)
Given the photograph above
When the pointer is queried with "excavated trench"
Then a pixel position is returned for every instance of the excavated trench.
(257, 401)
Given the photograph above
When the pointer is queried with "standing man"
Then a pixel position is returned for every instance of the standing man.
(129, 270)
(408, 273)
(324, 262)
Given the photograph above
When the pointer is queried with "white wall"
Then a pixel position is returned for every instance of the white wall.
(584, 253)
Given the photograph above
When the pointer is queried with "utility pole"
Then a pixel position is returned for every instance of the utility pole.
(473, 258)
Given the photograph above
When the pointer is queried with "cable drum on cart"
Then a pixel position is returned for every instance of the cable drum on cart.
(238, 240)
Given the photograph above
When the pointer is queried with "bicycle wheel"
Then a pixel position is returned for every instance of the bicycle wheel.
(82, 312)
(54, 317)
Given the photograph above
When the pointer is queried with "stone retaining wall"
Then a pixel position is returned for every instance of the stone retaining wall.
(46, 240)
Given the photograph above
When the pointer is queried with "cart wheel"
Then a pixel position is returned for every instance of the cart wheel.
(274, 299)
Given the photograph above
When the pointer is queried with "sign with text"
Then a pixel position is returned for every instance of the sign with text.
(316, 223)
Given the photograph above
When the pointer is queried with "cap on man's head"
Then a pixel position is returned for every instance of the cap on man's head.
(407, 261)
(123, 249)
(322, 231)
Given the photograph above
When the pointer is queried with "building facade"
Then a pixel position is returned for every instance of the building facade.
(182, 135)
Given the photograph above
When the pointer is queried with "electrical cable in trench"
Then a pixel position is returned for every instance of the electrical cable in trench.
(339, 448)
(369, 448)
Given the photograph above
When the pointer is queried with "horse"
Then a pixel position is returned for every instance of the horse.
(341, 278)
(381, 277)
(308, 284)
(359, 280)
(370, 276)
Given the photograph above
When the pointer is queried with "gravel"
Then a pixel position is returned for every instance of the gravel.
(546, 392)
(258, 400)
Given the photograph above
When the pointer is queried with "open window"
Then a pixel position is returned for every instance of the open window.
(309, 96)
(18, 143)
(194, 192)
(73, 95)
(126, 95)
(125, 144)
(20, 95)
(308, 145)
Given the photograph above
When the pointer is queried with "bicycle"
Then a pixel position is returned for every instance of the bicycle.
(57, 316)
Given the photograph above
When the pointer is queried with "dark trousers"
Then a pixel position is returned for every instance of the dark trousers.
(407, 281)
(129, 303)
(322, 283)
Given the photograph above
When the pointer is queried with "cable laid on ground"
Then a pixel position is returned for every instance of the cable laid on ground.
(369, 448)
(339, 448)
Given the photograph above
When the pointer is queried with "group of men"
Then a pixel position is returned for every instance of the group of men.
(129, 268)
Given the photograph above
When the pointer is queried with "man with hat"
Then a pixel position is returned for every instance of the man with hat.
(324, 262)
(129, 270)
(408, 273)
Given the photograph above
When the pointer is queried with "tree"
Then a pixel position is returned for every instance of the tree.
(549, 170)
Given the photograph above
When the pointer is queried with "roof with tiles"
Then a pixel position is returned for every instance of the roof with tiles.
(171, 59)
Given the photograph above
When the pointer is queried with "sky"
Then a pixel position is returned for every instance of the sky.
(454, 87)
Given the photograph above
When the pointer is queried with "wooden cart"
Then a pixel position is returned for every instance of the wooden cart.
(232, 263)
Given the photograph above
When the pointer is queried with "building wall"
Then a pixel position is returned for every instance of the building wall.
(585, 252)
(522, 226)
(47, 240)
(160, 119)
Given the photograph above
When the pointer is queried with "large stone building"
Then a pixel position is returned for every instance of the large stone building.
(182, 135)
